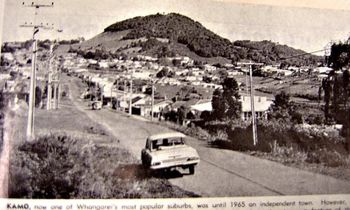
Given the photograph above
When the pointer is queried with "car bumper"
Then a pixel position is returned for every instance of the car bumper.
(174, 164)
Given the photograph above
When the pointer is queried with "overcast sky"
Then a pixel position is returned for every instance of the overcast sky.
(303, 24)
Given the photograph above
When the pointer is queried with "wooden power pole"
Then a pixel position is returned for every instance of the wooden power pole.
(254, 126)
(152, 100)
(30, 123)
(130, 98)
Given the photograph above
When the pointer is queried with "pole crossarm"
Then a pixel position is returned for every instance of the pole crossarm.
(47, 26)
(37, 6)
(250, 63)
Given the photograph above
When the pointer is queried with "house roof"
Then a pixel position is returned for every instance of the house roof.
(136, 99)
(187, 104)
(203, 106)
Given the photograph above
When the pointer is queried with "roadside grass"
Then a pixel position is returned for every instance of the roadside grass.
(322, 161)
(73, 157)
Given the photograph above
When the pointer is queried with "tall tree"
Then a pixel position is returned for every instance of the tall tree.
(336, 86)
(282, 101)
(218, 105)
(340, 56)
(226, 103)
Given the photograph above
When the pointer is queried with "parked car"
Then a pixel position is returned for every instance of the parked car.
(95, 105)
(168, 150)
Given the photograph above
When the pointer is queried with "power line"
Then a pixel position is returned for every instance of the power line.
(303, 54)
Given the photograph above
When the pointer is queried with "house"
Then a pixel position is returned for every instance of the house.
(146, 58)
(5, 77)
(209, 68)
(261, 107)
(201, 106)
(187, 104)
(158, 107)
(322, 70)
(92, 61)
(211, 85)
(8, 56)
(103, 64)
(168, 81)
(234, 73)
(274, 70)
(182, 72)
(145, 75)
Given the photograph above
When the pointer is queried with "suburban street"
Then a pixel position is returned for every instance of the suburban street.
(220, 172)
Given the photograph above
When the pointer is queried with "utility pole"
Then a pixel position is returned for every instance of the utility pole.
(124, 95)
(255, 135)
(101, 93)
(49, 83)
(111, 100)
(254, 127)
(152, 100)
(57, 89)
(246, 81)
(30, 122)
(130, 99)
(55, 79)
(49, 92)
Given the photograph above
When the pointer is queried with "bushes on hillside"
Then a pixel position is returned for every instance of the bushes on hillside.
(298, 140)
(58, 166)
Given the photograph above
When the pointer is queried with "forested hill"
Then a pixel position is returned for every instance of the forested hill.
(270, 52)
(181, 29)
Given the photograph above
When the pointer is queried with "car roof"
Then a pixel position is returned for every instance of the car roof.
(166, 135)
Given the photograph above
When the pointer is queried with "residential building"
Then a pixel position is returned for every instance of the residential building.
(261, 107)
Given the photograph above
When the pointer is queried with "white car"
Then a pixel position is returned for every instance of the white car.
(168, 150)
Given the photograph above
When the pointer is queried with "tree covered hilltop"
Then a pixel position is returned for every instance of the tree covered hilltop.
(179, 29)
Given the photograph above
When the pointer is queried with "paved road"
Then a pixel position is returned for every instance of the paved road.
(221, 172)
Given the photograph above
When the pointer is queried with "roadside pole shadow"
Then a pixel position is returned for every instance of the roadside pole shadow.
(139, 172)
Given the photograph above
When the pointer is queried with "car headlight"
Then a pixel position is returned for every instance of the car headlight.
(193, 158)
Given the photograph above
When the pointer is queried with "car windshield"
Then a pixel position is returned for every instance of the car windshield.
(168, 142)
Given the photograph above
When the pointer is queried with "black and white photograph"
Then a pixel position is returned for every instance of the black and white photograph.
(144, 99)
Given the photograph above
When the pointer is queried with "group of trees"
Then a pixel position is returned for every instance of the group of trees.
(335, 90)
(180, 116)
(283, 109)
(271, 53)
(7, 48)
(97, 54)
